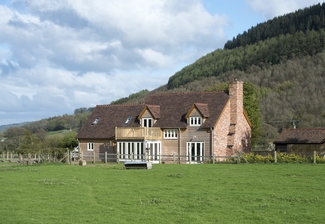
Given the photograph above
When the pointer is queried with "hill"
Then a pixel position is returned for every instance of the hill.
(5, 127)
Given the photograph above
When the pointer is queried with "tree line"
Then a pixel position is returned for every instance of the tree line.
(34, 137)
(303, 20)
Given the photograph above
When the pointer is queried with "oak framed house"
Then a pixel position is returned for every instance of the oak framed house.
(193, 127)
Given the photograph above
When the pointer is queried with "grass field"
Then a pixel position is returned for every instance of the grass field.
(204, 193)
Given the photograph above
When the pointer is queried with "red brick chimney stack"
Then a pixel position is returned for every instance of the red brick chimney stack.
(236, 93)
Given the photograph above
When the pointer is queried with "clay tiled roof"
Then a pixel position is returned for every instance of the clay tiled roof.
(110, 116)
(169, 109)
(175, 106)
(301, 136)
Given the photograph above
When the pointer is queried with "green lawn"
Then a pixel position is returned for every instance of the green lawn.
(203, 193)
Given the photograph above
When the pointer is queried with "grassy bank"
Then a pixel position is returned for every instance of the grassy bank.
(222, 193)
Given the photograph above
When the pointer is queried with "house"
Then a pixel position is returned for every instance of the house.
(189, 127)
(301, 141)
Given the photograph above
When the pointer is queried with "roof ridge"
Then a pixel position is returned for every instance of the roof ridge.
(183, 93)
(115, 105)
(153, 105)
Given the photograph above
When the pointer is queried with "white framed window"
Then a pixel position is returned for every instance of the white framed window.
(195, 121)
(90, 146)
(147, 122)
(170, 134)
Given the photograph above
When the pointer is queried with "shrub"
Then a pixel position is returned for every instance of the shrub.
(281, 158)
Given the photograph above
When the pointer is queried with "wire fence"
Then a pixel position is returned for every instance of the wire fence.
(161, 159)
(81, 158)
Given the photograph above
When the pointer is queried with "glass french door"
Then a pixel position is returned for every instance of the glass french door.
(195, 151)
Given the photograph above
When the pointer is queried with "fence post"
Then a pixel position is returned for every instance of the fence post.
(29, 159)
(275, 158)
(68, 156)
(238, 158)
(315, 156)
(189, 157)
(173, 158)
(105, 157)
(81, 155)
(118, 157)
(11, 157)
(94, 158)
(160, 158)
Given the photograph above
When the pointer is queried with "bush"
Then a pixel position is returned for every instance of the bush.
(281, 158)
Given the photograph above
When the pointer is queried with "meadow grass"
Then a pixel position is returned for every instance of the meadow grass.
(202, 193)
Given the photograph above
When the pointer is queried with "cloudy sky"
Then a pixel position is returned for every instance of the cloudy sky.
(59, 55)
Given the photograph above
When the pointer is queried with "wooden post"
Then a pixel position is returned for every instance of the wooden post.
(81, 155)
(29, 159)
(189, 157)
(94, 158)
(315, 156)
(7, 155)
(118, 157)
(160, 158)
(68, 156)
(174, 158)
(105, 157)
(11, 157)
(275, 158)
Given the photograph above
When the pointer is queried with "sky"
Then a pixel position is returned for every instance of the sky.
(60, 55)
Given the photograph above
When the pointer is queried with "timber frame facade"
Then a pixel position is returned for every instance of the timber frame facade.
(193, 127)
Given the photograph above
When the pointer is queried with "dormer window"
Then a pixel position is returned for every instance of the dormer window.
(195, 121)
(147, 122)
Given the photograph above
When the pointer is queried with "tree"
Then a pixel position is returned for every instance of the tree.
(69, 140)
(30, 144)
(14, 136)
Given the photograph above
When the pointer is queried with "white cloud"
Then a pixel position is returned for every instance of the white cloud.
(272, 8)
(58, 55)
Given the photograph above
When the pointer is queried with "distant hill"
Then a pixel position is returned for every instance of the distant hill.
(5, 127)
(311, 18)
